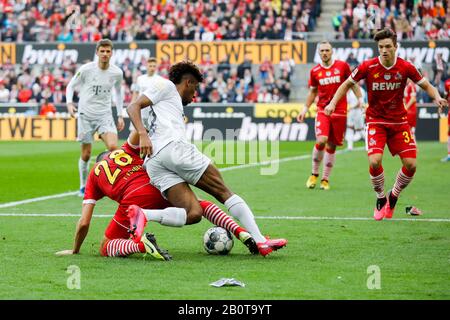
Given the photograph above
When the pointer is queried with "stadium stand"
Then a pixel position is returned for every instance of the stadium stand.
(89, 21)
(412, 20)
(155, 20)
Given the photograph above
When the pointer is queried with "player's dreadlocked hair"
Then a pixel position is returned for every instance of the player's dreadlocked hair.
(386, 33)
(180, 69)
(102, 155)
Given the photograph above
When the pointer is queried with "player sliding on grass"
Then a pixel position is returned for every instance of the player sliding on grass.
(173, 163)
(386, 117)
(119, 175)
(325, 79)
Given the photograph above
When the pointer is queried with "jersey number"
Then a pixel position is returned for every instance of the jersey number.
(406, 136)
(118, 156)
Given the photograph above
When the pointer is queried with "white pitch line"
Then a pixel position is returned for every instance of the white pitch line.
(249, 165)
(257, 217)
(302, 157)
(16, 203)
(352, 218)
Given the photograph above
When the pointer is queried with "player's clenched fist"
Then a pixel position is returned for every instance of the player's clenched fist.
(329, 109)
(145, 145)
(71, 109)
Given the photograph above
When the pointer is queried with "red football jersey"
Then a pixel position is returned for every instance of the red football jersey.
(385, 88)
(327, 80)
(447, 89)
(117, 176)
(410, 92)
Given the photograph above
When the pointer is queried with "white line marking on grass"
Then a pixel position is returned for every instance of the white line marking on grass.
(16, 203)
(351, 218)
(64, 215)
(257, 217)
(302, 157)
(249, 165)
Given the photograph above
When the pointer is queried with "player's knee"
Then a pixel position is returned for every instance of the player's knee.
(411, 166)
(374, 164)
(85, 156)
(194, 215)
(321, 142)
(331, 148)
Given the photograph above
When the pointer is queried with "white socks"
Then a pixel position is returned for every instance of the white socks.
(83, 169)
(240, 210)
(172, 216)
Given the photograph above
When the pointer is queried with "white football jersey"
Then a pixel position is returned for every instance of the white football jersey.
(95, 89)
(143, 82)
(166, 115)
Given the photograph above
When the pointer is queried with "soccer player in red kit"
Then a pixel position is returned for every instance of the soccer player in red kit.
(325, 79)
(410, 101)
(447, 93)
(386, 117)
(119, 175)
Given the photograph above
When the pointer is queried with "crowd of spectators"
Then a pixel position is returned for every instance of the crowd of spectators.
(224, 82)
(204, 20)
(91, 20)
(413, 20)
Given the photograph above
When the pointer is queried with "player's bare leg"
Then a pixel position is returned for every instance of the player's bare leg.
(328, 164)
(377, 178)
(182, 196)
(83, 166)
(212, 183)
(317, 157)
(110, 139)
(403, 179)
(186, 210)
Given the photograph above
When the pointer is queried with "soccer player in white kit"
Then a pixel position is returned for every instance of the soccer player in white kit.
(142, 84)
(96, 82)
(173, 163)
(355, 119)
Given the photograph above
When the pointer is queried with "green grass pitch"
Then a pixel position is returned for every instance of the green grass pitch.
(330, 255)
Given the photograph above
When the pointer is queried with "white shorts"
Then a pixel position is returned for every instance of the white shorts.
(177, 162)
(88, 127)
(355, 118)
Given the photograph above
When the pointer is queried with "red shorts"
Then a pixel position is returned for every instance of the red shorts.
(147, 197)
(397, 136)
(332, 127)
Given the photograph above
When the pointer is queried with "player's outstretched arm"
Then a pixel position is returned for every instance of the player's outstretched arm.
(357, 91)
(119, 103)
(75, 81)
(134, 111)
(410, 102)
(82, 229)
(309, 101)
(340, 93)
(434, 94)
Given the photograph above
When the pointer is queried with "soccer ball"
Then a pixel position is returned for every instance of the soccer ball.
(217, 240)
